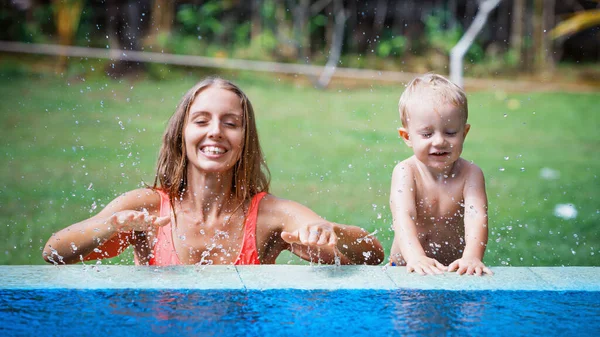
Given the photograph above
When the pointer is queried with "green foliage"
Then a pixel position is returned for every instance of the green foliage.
(85, 33)
(16, 27)
(268, 8)
(182, 44)
(316, 22)
(444, 39)
(262, 47)
(392, 46)
(241, 34)
(201, 21)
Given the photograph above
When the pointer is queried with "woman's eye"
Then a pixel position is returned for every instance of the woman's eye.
(201, 122)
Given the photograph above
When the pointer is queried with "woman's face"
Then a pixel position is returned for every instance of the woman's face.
(214, 132)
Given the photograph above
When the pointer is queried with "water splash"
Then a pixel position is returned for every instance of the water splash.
(549, 174)
(565, 211)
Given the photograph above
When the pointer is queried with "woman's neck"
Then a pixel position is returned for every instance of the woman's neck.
(209, 195)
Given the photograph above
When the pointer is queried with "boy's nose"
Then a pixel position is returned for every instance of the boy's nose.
(438, 139)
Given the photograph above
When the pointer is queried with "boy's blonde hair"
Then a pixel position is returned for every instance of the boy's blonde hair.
(440, 88)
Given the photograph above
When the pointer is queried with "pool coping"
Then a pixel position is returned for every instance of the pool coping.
(292, 277)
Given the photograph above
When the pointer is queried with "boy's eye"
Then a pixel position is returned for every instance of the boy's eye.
(426, 135)
(451, 133)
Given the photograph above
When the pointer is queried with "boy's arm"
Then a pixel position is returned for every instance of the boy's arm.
(404, 213)
(315, 239)
(476, 225)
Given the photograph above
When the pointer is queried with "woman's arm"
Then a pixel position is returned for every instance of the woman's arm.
(107, 233)
(314, 239)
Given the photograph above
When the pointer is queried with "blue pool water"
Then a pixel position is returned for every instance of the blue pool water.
(132, 312)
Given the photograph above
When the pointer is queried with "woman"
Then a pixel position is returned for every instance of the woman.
(210, 202)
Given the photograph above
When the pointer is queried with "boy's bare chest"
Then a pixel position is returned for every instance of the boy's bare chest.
(440, 200)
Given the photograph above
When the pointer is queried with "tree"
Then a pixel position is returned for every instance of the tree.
(517, 28)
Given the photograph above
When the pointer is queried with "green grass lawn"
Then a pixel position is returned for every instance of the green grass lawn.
(69, 146)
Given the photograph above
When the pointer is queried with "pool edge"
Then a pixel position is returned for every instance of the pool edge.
(292, 277)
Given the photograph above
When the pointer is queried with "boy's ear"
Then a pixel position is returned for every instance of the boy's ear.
(467, 128)
(404, 135)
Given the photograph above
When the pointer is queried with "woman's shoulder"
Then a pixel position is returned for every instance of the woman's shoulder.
(139, 199)
(273, 209)
(272, 204)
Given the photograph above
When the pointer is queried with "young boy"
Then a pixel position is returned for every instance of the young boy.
(438, 199)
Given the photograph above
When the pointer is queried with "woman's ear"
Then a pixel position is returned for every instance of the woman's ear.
(404, 135)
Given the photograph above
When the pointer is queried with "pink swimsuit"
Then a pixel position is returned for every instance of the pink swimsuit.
(164, 253)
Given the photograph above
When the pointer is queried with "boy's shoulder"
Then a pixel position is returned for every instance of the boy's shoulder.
(468, 166)
(405, 166)
(468, 169)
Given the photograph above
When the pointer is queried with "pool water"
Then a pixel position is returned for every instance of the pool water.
(134, 312)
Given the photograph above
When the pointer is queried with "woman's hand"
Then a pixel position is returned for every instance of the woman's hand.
(127, 221)
(315, 235)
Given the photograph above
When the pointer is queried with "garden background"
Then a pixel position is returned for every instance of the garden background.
(78, 131)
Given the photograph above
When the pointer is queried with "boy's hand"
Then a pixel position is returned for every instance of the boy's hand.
(424, 265)
(469, 266)
(320, 234)
(126, 221)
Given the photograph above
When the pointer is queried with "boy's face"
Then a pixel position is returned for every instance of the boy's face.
(436, 133)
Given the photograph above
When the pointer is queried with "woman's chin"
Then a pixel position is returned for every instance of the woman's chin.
(215, 168)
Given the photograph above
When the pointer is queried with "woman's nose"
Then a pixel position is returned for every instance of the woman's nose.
(214, 129)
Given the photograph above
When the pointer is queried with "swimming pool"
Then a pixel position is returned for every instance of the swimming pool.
(295, 300)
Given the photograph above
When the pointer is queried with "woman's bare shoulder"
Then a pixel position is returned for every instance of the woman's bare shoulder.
(275, 210)
(271, 206)
(139, 199)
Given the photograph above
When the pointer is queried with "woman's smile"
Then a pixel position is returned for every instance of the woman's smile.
(213, 150)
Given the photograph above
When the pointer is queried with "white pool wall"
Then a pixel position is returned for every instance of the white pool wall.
(292, 277)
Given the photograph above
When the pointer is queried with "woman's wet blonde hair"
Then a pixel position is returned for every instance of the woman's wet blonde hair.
(435, 86)
(250, 173)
